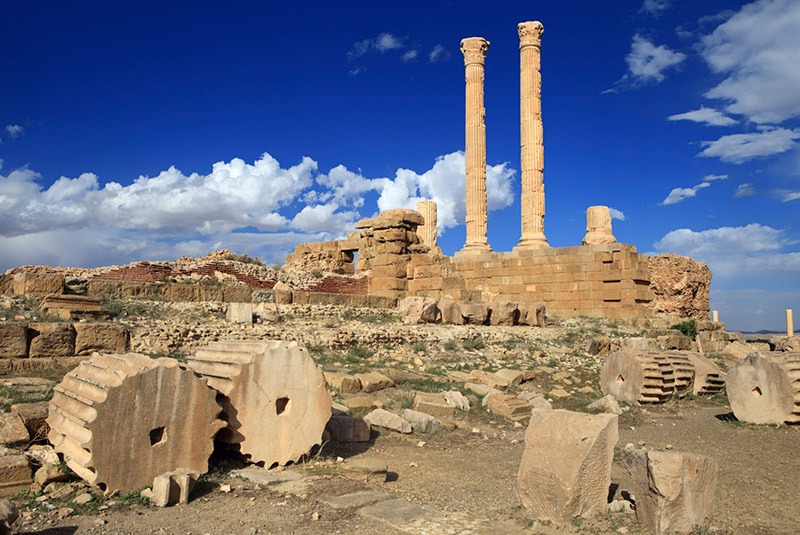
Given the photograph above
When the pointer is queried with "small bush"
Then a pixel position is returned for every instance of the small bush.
(688, 328)
(473, 344)
(450, 345)
(244, 259)
(360, 352)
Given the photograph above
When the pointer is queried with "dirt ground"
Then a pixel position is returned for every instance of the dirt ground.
(464, 477)
(465, 480)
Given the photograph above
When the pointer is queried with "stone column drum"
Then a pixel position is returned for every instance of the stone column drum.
(531, 135)
(474, 50)
(598, 226)
(427, 231)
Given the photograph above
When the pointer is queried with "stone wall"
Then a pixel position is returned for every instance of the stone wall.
(680, 285)
(60, 339)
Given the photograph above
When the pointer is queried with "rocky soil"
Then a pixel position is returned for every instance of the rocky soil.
(460, 480)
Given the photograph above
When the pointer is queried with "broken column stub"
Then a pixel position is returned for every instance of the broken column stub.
(674, 491)
(565, 471)
(122, 420)
(474, 50)
(427, 231)
(275, 398)
(765, 389)
(598, 226)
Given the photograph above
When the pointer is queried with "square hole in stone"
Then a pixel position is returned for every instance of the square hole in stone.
(157, 436)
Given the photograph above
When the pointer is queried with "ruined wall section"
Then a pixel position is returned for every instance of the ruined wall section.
(681, 286)
(331, 256)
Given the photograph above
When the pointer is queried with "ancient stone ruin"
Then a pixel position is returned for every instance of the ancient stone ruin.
(765, 388)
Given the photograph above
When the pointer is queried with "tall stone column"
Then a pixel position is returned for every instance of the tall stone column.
(474, 50)
(531, 135)
(427, 231)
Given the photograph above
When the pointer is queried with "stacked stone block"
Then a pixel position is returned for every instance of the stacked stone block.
(334, 256)
(387, 244)
(60, 339)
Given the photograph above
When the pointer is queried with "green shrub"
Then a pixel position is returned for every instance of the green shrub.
(688, 328)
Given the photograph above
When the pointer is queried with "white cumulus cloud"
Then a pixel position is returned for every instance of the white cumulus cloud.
(739, 148)
(260, 207)
(758, 50)
(648, 62)
(751, 238)
(616, 214)
(708, 116)
(681, 194)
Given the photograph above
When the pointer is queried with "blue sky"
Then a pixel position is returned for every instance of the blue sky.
(162, 129)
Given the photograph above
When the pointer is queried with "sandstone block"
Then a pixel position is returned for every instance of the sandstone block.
(12, 430)
(387, 420)
(15, 473)
(239, 313)
(13, 340)
(480, 389)
(451, 312)
(491, 379)
(475, 313)
(266, 312)
(8, 515)
(456, 399)
(565, 471)
(736, 351)
(51, 340)
(419, 310)
(344, 428)
(514, 377)
(37, 285)
(422, 422)
(507, 406)
(533, 314)
(433, 404)
(503, 313)
(101, 337)
(373, 381)
(343, 382)
(607, 404)
(173, 487)
(237, 294)
(34, 417)
(674, 491)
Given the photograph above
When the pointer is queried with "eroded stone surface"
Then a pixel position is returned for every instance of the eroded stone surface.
(566, 465)
(764, 389)
(276, 401)
(132, 407)
(674, 491)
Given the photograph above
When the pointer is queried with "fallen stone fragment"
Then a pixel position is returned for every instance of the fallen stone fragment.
(12, 430)
(114, 407)
(599, 345)
(475, 313)
(261, 476)
(566, 465)
(433, 404)
(421, 422)
(709, 379)
(40, 454)
(674, 491)
(537, 401)
(34, 417)
(174, 487)
(456, 399)
(48, 473)
(355, 499)
(621, 506)
(359, 402)
(462, 377)
(387, 420)
(508, 406)
(559, 392)
(451, 311)
(514, 377)
(274, 396)
(8, 515)
(503, 313)
(491, 379)
(397, 512)
(240, 313)
(83, 498)
(415, 310)
(343, 382)
(480, 389)
(373, 381)
(15, 473)
(606, 404)
(344, 428)
(736, 351)
(763, 389)
(367, 468)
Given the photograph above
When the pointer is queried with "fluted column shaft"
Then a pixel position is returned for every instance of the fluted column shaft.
(531, 135)
(427, 231)
(474, 50)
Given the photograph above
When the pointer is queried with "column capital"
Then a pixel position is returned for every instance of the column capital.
(474, 50)
(530, 33)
